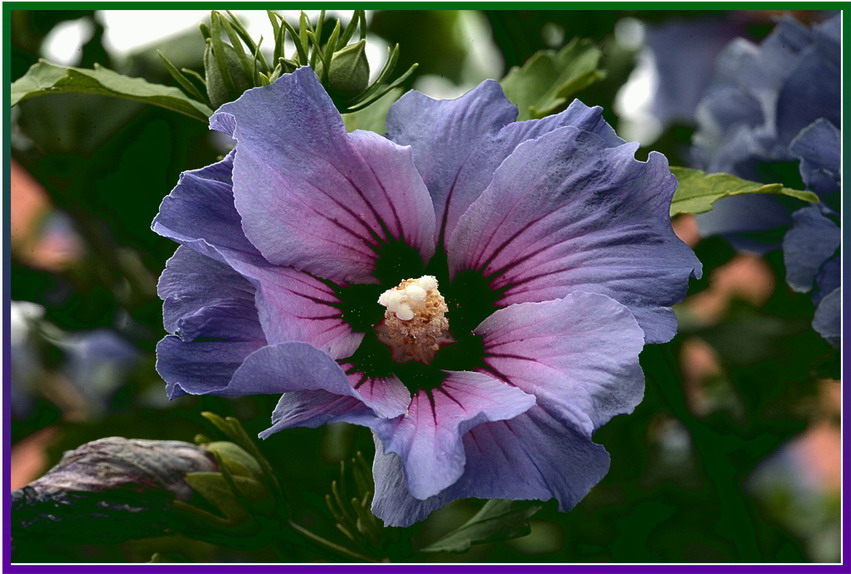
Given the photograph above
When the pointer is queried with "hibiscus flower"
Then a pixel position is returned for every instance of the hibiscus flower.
(773, 112)
(474, 290)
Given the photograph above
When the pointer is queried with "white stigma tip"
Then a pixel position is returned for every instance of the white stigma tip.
(409, 297)
(415, 323)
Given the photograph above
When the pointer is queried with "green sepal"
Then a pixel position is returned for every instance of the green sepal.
(698, 190)
(237, 528)
(216, 490)
(180, 77)
(238, 462)
(45, 78)
(244, 36)
(350, 501)
(232, 428)
(250, 494)
(243, 512)
(545, 82)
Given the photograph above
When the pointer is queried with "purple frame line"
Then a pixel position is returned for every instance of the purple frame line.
(436, 568)
(7, 566)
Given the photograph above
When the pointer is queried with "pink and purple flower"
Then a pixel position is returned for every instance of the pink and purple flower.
(521, 268)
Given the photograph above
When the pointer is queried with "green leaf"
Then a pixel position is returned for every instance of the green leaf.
(497, 521)
(547, 79)
(46, 78)
(697, 190)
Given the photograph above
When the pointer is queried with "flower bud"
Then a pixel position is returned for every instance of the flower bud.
(225, 74)
(243, 505)
(348, 75)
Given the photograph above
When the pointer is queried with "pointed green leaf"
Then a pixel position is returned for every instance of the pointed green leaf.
(372, 118)
(350, 28)
(277, 35)
(697, 190)
(181, 79)
(498, 520)
(546, 81)
(253, 47)
(46, 78)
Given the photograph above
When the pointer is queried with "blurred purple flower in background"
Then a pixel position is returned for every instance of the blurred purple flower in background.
(772, 109)
(78, 371)
(474, 290)
(683, 53)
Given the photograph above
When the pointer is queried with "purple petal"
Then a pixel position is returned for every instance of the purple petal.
(565, 213)
(310, 195)
(211, 309)
(729, 137)
(813, 82)
(446, 135)
(530, 457)
(295, 306)
(379, 390)
(458, 144)
(577, 355)
(479, 170)
(316, 408)
(685, 72)
(761, 97)
(201, 368)
(577, 114)
(200, 214)
(827, 321)
(428, 437)
(828, 278)
(818, 146)
(812, 240)
(750, 222)
(298, 366)
(763, 67)
(192, 281)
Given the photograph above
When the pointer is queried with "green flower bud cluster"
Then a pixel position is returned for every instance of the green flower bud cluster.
(234, 63)
(243, 505)
(350, 504)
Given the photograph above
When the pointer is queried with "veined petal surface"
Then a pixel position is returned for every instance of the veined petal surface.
(565, 212)
(533, 456)
(458, 144)
(312, 196)
(428, 436)
(578, 355)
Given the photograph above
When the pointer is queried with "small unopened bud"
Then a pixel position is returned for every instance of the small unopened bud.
(225, 75)
(239, 492)
(349, 73)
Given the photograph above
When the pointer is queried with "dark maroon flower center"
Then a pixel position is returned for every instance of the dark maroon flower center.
(469, 299)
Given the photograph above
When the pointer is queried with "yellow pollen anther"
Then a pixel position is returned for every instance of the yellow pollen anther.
(414, 323)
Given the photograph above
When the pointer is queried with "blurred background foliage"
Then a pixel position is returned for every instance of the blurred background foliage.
(733, 456)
